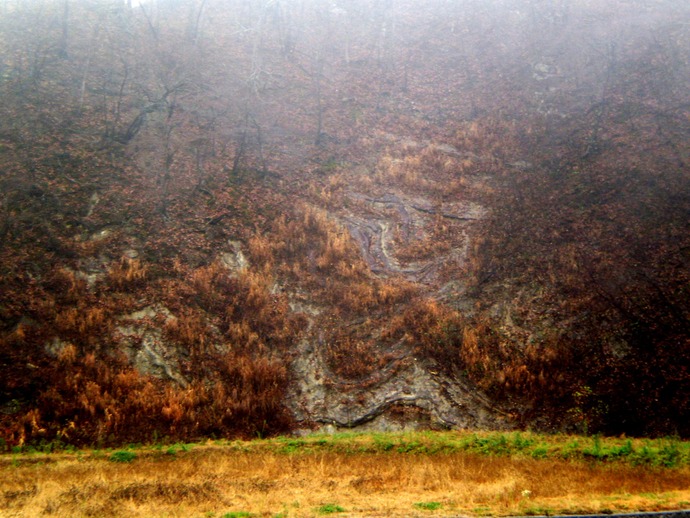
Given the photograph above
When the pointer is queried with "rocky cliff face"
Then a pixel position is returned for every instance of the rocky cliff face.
(279, 218)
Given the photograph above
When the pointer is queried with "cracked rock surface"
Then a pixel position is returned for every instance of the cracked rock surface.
(383, 227)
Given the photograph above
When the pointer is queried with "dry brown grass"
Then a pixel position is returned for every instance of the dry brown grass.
(212, 481)
(127, 274)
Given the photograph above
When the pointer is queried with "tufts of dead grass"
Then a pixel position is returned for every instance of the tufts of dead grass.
(211, 479)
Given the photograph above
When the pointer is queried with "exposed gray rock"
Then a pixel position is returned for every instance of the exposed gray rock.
(55, 347)
(93, 201)
(149, 312)
(101, 234)
(408, 392)
(234, 260)
(321, 397)
(91, 270)
(394, 218)
(145, 345)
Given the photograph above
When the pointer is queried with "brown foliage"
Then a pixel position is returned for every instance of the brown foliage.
(436, 332)
(127, 274)
(356, 351)
(190, 330)
(83, 322)
(588, 202)
(99, 401)
(253, 478)
(315, 253)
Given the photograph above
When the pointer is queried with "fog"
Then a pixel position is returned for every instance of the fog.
(497, 187)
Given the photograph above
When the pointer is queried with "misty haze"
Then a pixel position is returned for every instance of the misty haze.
(258, 218)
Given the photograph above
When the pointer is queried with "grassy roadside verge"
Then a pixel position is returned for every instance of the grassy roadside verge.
(411, 474)
(666, 452)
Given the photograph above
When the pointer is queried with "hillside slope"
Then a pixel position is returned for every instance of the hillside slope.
(241, 218)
